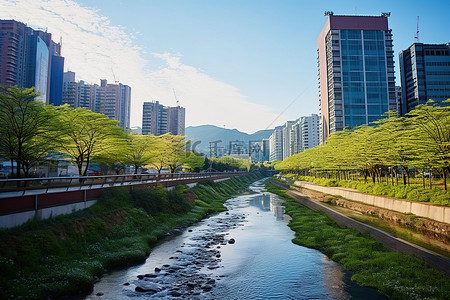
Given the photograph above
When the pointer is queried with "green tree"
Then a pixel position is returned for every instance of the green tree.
(193, 162)
(168, 152)
(431, 122)
(26, 128)
(140, 150)
(88, 135)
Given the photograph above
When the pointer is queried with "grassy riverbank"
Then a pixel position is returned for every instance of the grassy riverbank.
(373, 265)
(64, 255)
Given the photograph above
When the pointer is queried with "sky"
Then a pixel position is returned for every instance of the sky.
(244, 64)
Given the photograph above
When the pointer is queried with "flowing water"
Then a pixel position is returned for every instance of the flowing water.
(245, 253)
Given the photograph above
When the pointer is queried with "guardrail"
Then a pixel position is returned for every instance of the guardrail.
(43, 184)
(34, 194)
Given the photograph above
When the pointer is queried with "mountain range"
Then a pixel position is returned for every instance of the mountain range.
(203, 134)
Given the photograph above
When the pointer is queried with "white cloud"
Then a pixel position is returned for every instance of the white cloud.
(94, 49)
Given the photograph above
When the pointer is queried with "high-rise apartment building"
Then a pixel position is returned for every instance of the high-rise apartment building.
(85, 96)
(12, 52)
(356, 71)
(154, 115)
(70, 89)
(158, 119)
(276, 144)
(288, 138)
(294, 137)
(112, 100)
(124, 106)
(309, 132)
(176, 120)
(425, 74)
(30, 58)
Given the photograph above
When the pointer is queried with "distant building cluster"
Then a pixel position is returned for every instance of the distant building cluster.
(30, 58)
(356, 73)
(158, 119)
(294, 137)
(112, 100)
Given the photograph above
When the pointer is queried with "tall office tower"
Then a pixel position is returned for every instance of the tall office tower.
(276, 144)
(287, 137)
(356, 71)
(309, 132)
(70, 89)
(176, 120)
(26, 58)
(425, 74)
(36, 66)
(56, 75)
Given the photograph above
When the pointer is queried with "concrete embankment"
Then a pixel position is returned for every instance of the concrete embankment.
(426, 210)
(437, 261)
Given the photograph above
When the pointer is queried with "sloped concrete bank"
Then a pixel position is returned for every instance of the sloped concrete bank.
(436, 261)
(428, 227)
(427, 210)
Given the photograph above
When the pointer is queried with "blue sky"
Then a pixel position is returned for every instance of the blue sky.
(251, 58)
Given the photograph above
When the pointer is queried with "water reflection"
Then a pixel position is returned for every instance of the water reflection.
(270, 202)
(261, 263)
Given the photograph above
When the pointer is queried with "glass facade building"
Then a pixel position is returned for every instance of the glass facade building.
(425, 74)
(356, 72)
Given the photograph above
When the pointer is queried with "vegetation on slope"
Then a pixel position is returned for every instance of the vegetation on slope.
(373, 265)
(61, 256)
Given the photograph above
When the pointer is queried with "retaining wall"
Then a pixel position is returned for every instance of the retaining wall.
(15, 211)
(435, 212)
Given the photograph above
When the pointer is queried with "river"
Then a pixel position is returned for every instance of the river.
(245, 253)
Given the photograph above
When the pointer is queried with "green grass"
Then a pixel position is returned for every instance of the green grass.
(435, 195)
(61, 256)
(373, 265)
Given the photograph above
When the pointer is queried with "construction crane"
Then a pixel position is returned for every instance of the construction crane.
(417, 32)
(114, 75)
(176, 99)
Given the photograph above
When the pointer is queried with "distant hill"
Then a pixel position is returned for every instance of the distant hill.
(210, 133)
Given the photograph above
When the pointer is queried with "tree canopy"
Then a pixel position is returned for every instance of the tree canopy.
(420, 140)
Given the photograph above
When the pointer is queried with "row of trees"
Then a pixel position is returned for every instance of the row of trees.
(32, 134)
(419, 141)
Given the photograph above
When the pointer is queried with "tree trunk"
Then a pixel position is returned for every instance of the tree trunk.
(12, 167)
(423, 178)
(87, 166)
(431, 184)
(444, 173)
(18, 169)
(403, 176)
